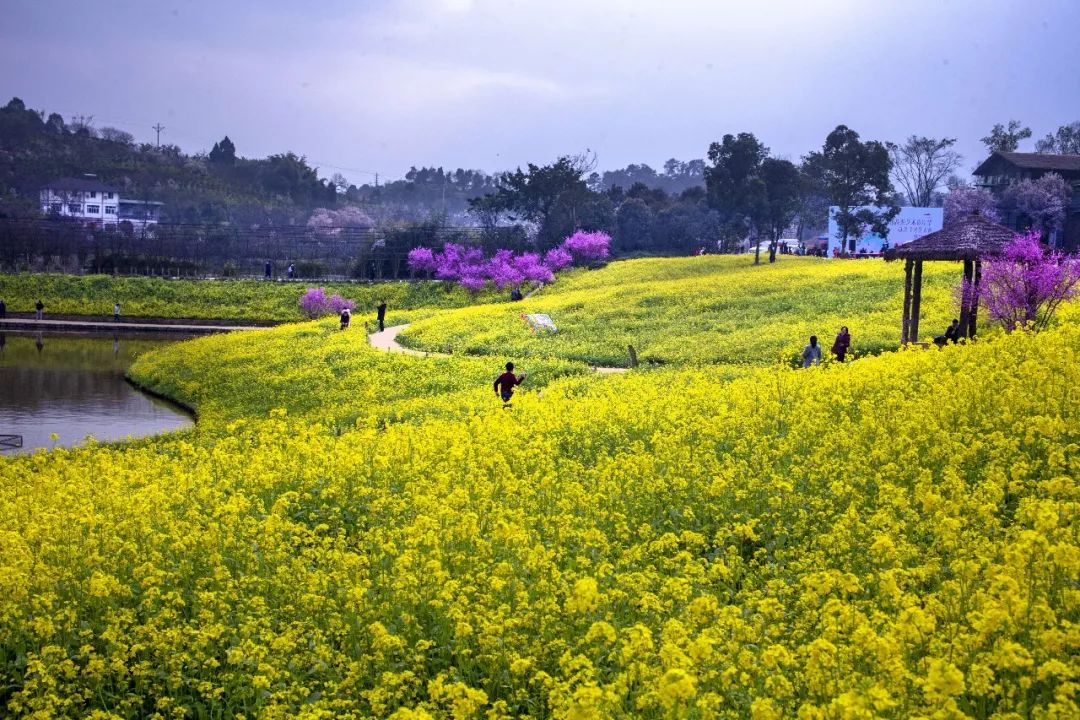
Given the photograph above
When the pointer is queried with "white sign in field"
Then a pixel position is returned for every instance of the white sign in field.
(540, 322)
(909, 224)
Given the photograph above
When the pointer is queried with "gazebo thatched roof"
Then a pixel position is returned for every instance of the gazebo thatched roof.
(971, 238)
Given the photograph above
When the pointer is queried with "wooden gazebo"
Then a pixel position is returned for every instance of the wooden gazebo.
(970, 239)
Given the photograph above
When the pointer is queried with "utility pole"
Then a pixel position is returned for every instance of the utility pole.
(159, 127)
(376, 179)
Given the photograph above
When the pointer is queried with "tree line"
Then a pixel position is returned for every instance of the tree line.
(739, 192)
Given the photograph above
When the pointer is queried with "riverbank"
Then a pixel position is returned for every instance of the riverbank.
(196, 327)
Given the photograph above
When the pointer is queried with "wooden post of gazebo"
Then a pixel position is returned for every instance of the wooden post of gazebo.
(966, 298)
(969, 239)
(916, 303)
(973, 310)
(907, 302)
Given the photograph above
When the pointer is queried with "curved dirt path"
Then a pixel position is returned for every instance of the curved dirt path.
(387, 340)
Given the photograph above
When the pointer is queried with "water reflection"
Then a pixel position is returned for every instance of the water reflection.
(75, 387)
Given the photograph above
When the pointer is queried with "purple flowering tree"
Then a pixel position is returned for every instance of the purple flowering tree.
(1027, 284)
(315, 303)
(532, 268)
(588, 246)
(468, 267)
(502, 270)
(558, 258)
(422, 261)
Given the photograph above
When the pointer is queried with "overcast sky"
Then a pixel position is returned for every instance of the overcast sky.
(377, 86)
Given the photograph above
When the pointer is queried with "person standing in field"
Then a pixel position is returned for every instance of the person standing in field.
(116, 312)
(40, 307)
(505, 383)
(346, 316)
(380, 312)
(841, 344)
(269, 269)
(811, 354)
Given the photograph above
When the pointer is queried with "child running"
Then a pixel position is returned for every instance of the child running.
(504, 384)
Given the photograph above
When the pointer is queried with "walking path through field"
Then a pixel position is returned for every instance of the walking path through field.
(112, 326)
(387, 340)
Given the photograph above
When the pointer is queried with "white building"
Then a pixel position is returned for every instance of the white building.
(86, 198)
(92, 201)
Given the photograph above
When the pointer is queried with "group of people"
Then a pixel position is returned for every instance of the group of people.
(39, 310)
(380, 315)
(811, 354)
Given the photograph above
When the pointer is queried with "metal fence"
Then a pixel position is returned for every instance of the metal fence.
(188, 250)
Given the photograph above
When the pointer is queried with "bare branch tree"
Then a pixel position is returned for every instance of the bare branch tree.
(921, 165)
(116, 135)
(82, 124)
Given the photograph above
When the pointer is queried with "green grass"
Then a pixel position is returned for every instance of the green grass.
(235, 300)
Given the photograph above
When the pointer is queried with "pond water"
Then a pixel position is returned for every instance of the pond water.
(75, 387)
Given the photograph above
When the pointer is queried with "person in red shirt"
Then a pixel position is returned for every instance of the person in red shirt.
(504, 384)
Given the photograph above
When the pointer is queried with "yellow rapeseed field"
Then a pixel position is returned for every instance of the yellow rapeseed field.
(715, 308)
(353, 534)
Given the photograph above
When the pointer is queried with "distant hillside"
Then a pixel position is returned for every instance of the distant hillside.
(219, 187)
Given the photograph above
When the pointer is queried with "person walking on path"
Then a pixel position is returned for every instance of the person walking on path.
(841, 344)
(380, 311)
(269, 269)
(292, 271)
(505, 383)
(346, 316)
(40, 307)
(116, 312)
(811, 354)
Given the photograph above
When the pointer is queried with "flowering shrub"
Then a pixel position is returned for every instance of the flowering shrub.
(558, 258)
(468, 267)
(588, 246)
(315, 303)
(1026, 284)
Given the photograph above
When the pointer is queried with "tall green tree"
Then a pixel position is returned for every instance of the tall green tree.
(732, 184)
(223, 152)
(1066, 141)
(1006, 138)
(778, 202)
(551, 196)
(855, 176)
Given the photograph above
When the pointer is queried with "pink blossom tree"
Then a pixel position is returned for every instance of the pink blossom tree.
(963, 201)
(330, 223)
(1044, 200)
(1025, 286)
